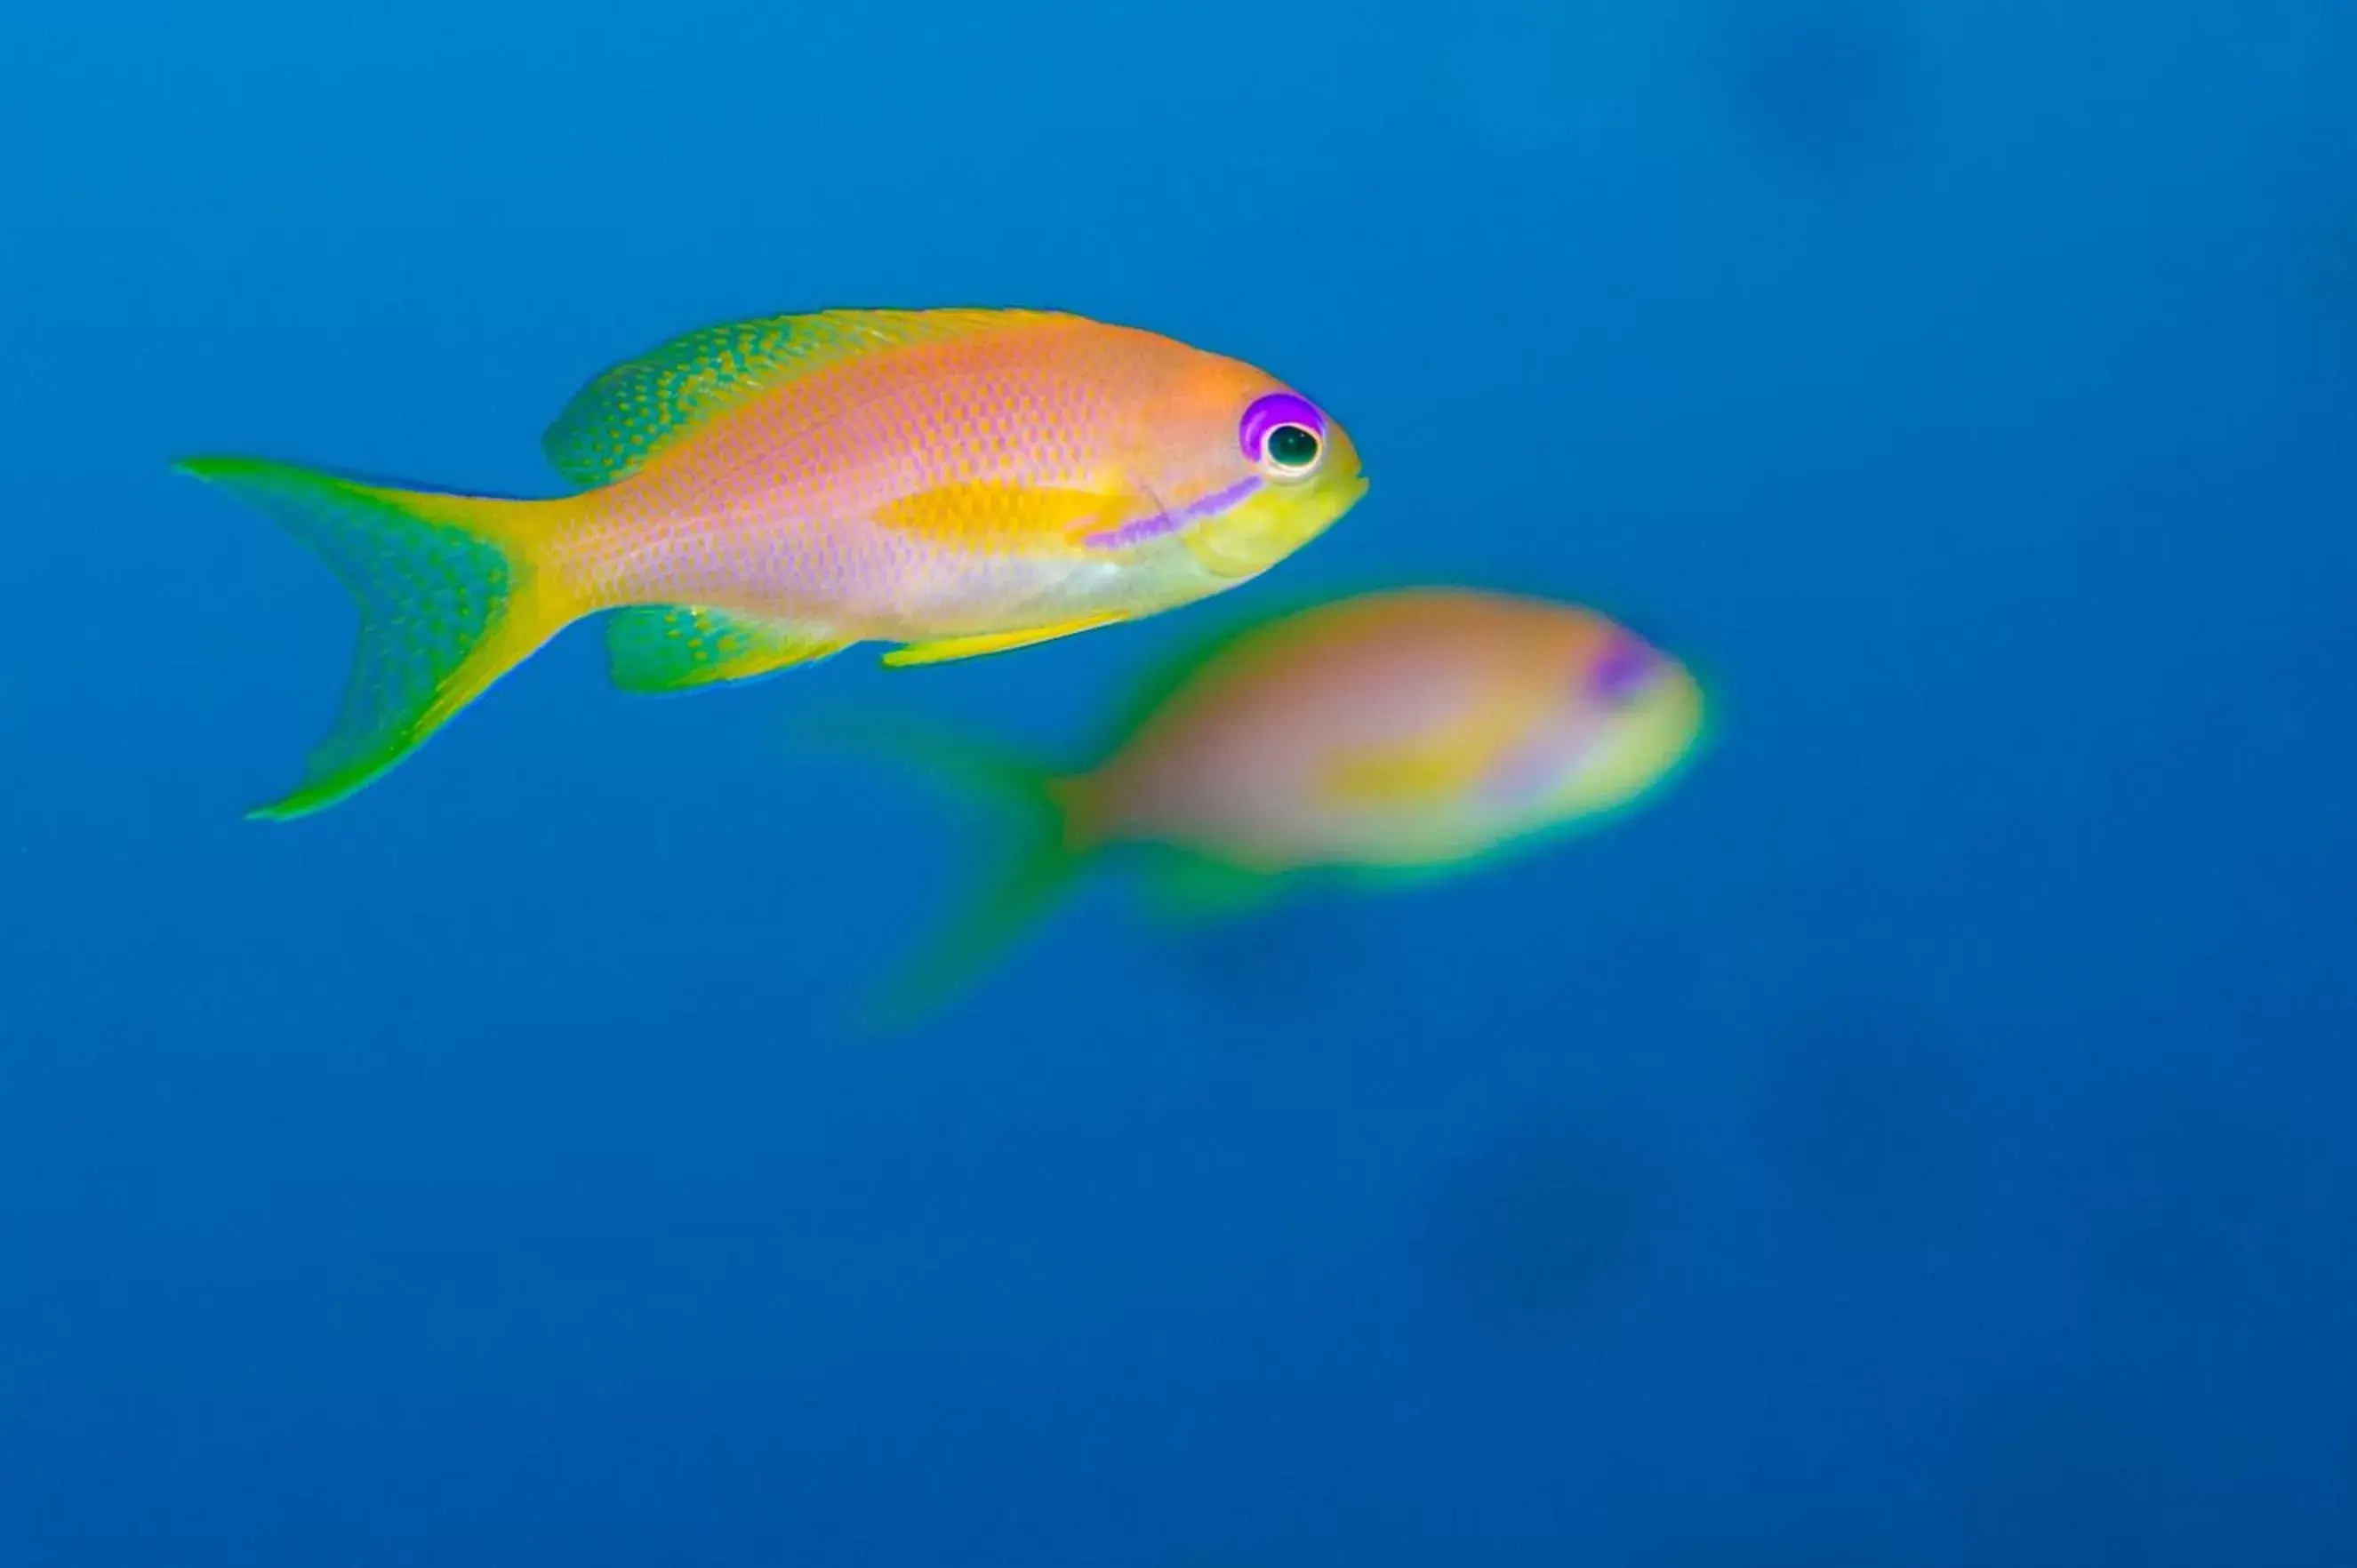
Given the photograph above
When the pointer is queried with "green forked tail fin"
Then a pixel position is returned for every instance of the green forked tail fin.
(449, 594)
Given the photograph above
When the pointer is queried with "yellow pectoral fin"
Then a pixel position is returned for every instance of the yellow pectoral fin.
(943, 650)
(985, 514)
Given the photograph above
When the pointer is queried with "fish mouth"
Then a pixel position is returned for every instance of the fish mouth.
(1249, 541)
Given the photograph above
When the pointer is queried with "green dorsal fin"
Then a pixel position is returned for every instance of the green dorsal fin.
(633, 410)
(682, 648)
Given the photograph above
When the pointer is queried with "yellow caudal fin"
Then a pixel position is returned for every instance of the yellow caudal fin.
(449, 594)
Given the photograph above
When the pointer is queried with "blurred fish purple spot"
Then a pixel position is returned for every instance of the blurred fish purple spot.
(1623, 668)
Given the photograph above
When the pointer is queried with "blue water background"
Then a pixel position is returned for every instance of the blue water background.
(1921, 1138)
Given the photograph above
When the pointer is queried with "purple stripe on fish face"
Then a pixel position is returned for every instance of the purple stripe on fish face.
(1161, 522)
(1615, 678)
(1266, 413)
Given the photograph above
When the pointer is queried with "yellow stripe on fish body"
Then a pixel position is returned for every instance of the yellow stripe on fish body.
(1433, 766)
(997, 518)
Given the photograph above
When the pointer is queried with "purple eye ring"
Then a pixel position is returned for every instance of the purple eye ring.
(1298, 428)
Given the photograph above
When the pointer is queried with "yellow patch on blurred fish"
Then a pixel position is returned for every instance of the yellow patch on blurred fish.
(764, 494)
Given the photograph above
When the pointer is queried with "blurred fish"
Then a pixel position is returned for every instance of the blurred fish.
(1397, 735)
(764, 494)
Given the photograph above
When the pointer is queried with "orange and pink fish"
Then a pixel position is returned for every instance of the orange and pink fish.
(1395, 734)
(763, 494)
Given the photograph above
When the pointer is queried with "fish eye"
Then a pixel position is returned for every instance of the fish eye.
(1285, 433)
(1293, 448)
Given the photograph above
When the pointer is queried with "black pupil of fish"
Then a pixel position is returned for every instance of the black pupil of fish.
(1290, 446)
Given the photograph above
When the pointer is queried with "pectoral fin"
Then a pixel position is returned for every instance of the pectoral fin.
(943, 650)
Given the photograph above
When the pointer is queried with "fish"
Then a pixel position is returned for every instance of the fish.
(758, 496)
(1387, 737)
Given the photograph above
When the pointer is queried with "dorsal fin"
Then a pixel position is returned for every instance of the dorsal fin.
(633, 410)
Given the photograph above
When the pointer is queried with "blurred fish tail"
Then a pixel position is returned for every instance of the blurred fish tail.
(451, 591)
(1051, 831)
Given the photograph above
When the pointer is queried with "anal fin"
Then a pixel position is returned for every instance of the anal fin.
(942, 650)
(1189, 888)
(663, 648)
